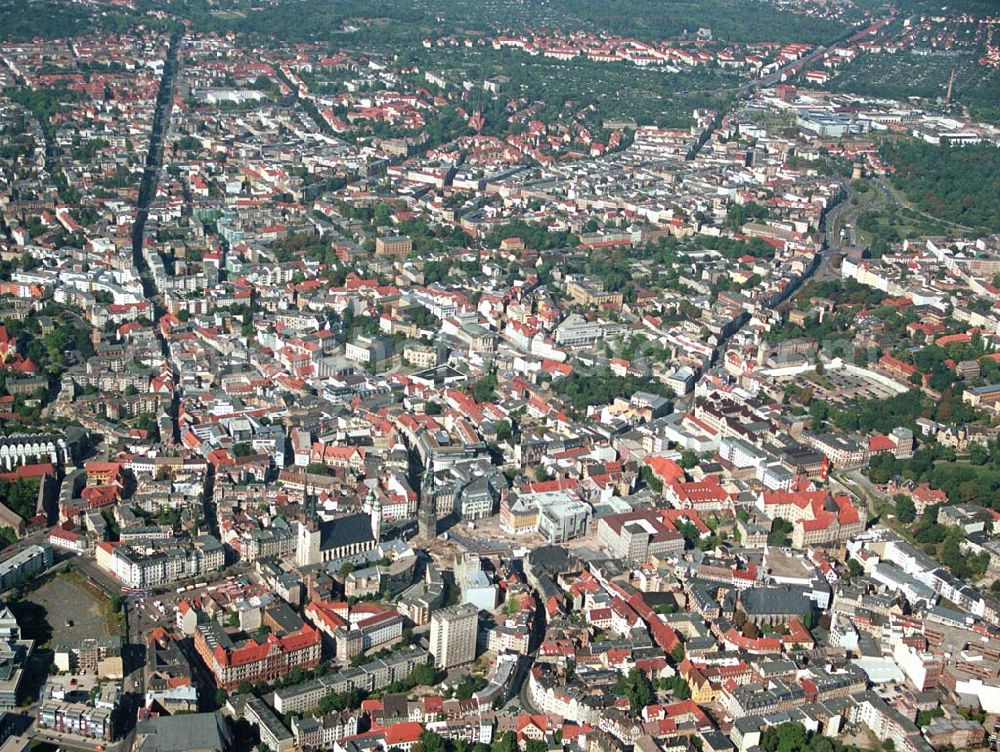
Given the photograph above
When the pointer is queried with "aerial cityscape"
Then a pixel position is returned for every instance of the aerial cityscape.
(500, 375)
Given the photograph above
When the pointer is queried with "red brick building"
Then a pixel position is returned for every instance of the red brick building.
(255, 659)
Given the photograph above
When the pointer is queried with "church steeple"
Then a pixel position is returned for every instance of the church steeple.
(374, 504)
(427, 484)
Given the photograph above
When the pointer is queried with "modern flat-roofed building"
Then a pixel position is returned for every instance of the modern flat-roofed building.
(14, 656)
(370, 677)
(557, 516)
(272, 731)
(453, 635)
(635, 536)
(396, 245)
(77, 719)
(575, 331)
(192, 732)
(22, 565)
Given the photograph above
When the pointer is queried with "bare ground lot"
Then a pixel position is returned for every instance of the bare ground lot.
(63, 609)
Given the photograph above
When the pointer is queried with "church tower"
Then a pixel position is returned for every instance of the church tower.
(374, 505)
(307, 544)
(307, 549)
(427, 514)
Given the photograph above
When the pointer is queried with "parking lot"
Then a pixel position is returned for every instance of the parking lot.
(840, 384)
(842, 388)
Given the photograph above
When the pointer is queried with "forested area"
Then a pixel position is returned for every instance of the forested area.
(24, 20)
(976, 480)
(793, 737)
(883, 415)
(27, 19)
(397, 21)
(535, 236)
(603, 387)
(728, 20)
(959, 184)
(581, 88)
(881, 228)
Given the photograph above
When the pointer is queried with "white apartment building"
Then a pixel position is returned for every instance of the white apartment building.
(453, 635)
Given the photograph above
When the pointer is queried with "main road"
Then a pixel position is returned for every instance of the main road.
(154, 161)
(148, 187)
(134, 654)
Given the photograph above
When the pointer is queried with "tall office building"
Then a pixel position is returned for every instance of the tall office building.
(453, 635)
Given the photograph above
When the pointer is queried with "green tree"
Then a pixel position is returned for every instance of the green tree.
(924, 717)
(20, 496)
(484, 390)
(242, 449)
(468, 686)
(602, 387)
(340, 701)
(504, 430)
(431, 742)
(506, 742)
(425, 675)
(637, 687)
(739, 214)
(677, 686)
(906, 510)
(780, 531)
(978, 454)
(649, 477)
(787, 737)
(819, 411)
